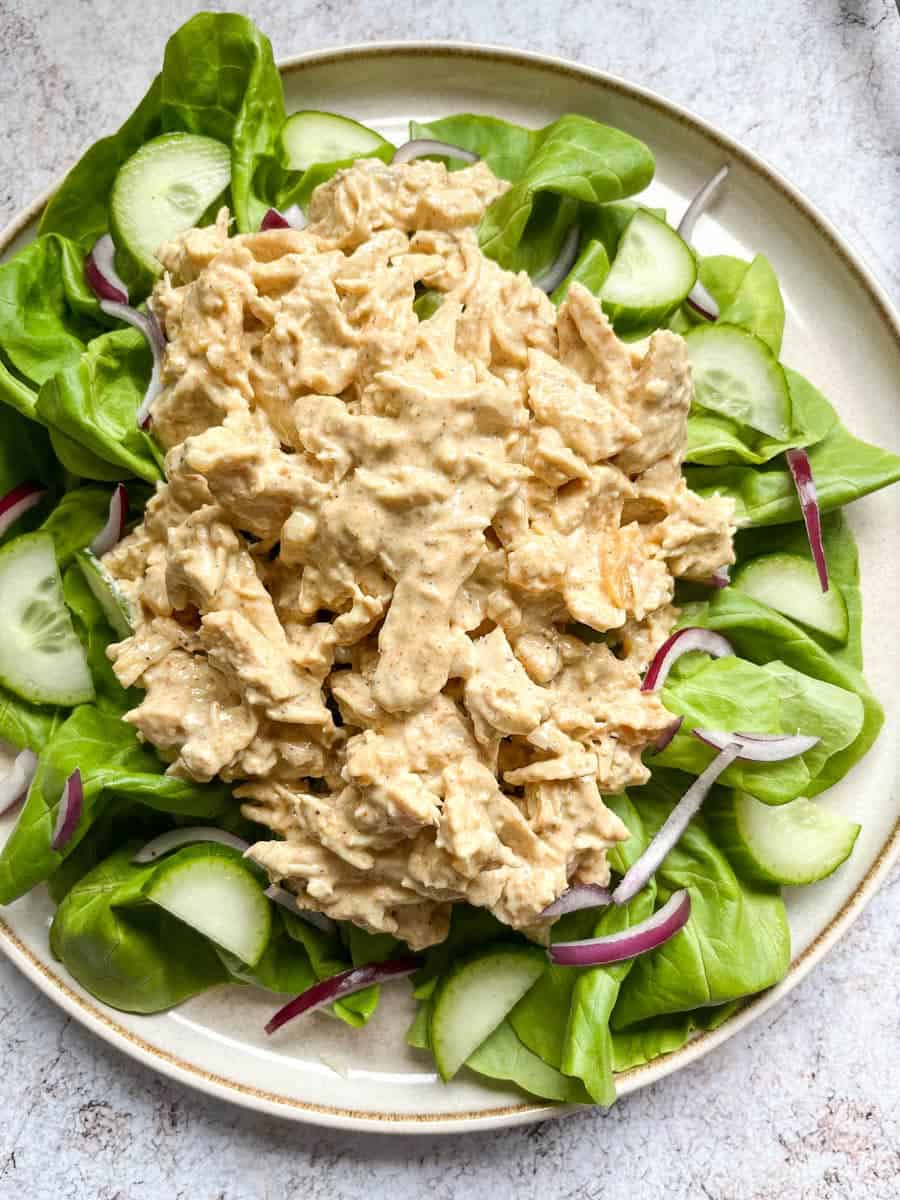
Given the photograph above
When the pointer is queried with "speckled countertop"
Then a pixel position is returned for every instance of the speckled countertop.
(803, 1105)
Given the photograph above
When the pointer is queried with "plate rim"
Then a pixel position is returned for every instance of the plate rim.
(95, 1016)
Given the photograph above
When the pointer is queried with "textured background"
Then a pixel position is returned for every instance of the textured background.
(804, 1105)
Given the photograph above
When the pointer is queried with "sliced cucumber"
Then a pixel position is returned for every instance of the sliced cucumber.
(41, 658)
(652, 273)
(115, 604)
(212, 889)
(320, 137)
(796, 843)
(737, 375)
(162, 190)
(474, 997)
(791, 586)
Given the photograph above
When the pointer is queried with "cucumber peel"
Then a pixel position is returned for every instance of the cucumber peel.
(795, 844)
(474, 997)
(215, 891)
(790, 584)
(106, 591)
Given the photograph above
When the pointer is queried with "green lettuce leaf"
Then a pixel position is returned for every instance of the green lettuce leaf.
(95, 401)
(327, 957)
(284, 967)
(113, 764)
(769, 697)
(736, 941)
(748, 295)
(573, 158)
(219, 79)
(761, 635)
(130, 954)
(663, 1035)
(27, 726)
(25, 455)
(502, 1056)
(79, 207)
(76, 520)
(844, 469)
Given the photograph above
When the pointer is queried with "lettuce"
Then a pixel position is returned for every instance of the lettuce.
(114, 764)
(570, 163)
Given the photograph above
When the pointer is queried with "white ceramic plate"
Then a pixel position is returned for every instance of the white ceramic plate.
(841, 332)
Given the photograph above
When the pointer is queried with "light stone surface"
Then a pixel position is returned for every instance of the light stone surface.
(803, 1105)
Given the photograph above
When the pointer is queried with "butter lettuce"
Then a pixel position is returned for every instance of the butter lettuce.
(573, 159)
(114, 765)
(736, 941)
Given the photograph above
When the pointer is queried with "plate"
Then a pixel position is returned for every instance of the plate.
(841, 332)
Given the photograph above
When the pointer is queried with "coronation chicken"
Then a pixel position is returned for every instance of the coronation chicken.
(404, 575)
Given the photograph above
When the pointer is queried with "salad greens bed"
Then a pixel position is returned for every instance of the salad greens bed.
(71, 381)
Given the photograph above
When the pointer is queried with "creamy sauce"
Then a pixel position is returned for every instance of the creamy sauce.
(356, 588)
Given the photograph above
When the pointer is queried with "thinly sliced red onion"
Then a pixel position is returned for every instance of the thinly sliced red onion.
(147, 324)
(112, 531)
(70, 804)
(292, 218)
(17, 502)
(17, 780)
(100, 272)
(344, 984)
(720, 578)
(759, 747)
(699, 298)
(583, 895)
(801, 473)
(174, 839)
(287, 900)
(615, 947)
(674, 826)
(422, 147)
(662, 740)
(682, 642)
(563, 263)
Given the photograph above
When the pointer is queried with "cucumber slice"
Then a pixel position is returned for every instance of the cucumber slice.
(320, 137)
(796, 843)
(212, 889)
(162, 190)
(474, 997)
(652, 273)
(791, 586)
(737, 375)
(115, 604)
(41, 658)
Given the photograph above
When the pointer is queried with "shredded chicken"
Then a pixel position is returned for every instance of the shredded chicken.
(404, 575)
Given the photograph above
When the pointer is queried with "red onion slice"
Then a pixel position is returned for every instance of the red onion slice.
(17, 502)
(292, 218)
(639, 939)
(344, 984)
(550, 280)
(759, 747)
(70, 804)
(147, 324)
(17, 780)
(420, 147)
(100, 272)
(287, 900)
(674, 826)
(682, 642)
(720, 578)
(801, 472)
(662, 740)
(699, 298)
(583, 895)
(174, 839)
(112, 531)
